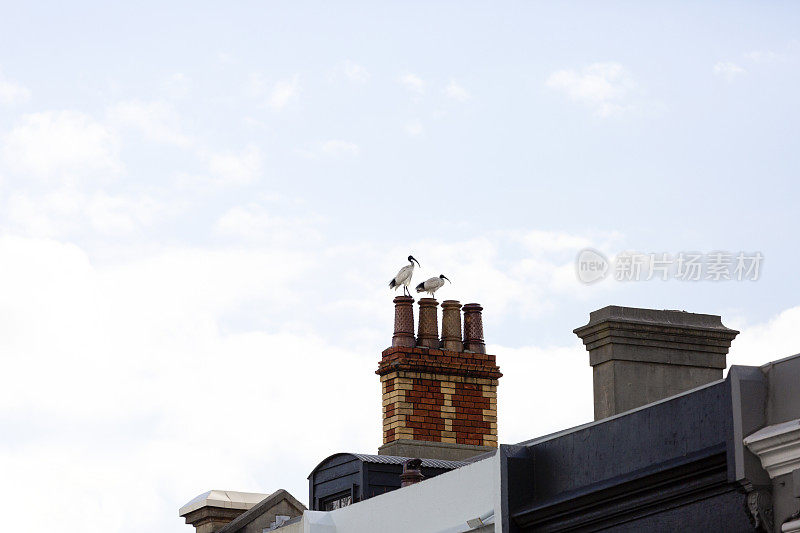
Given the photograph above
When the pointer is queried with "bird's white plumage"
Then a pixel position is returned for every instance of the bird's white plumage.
(404, 276)
(430, 285)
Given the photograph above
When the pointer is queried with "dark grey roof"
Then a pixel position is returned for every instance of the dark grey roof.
(395, 460)
(387, 460)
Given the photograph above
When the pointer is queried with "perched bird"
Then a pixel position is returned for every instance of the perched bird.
(432, 285)
(404, 276)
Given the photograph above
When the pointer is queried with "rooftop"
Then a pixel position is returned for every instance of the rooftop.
(229, 499)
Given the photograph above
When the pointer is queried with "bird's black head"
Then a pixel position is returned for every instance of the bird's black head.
(442, 276)
(411, 259)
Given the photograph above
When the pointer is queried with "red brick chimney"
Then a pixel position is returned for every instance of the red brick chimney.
(439, 397)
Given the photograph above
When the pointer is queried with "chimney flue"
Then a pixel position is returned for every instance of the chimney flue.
(451, 326)
(412, 472)
(403, 322)
(640, 356)
(473, 329)
(428, 332)
(439, 401)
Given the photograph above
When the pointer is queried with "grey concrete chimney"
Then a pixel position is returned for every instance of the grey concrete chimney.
(641, 356)
(212, 510)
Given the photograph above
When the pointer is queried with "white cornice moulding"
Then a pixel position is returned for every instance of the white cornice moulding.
(777, 446)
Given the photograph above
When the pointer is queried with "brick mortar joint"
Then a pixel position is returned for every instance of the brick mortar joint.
(387, 363)
(433, 351)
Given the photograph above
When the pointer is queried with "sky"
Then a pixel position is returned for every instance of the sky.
(201, 205)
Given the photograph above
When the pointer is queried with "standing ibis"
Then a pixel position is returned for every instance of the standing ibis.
(432, 285)
(404, 276)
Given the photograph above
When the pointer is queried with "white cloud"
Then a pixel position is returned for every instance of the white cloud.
(355, 72)
(529, 375)
(305, 154)
(65, 145)
(236, 168)
(539, 242)
(337, 147)
(157, 121)
(282, 93)
(254, 222)
(177, 86)
(456, 92)
(137, 366)
(764, 56)
(67, 212)
(728, 70)
(225, 58)
(413, 83)
(607, 88)
(414, 128)
(275, 96)
(256, 86)
(760, 343)
(12, 92)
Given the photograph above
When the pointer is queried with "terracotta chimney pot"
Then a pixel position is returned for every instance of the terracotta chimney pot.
(428, 331)
(451, 326)
(473, 329)
(403, 322)
(412, 472)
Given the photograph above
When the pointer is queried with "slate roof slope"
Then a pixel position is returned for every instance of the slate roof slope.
(259, 509)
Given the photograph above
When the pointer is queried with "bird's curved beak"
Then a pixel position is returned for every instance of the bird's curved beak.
(415, 260)
(445, 277)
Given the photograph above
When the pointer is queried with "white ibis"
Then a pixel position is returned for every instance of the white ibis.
(432, 285)
(404, 276)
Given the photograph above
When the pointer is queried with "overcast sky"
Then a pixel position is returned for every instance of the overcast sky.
(201, 205)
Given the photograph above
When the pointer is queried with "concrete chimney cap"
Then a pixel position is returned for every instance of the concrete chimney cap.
(228, 499)
(616, 313)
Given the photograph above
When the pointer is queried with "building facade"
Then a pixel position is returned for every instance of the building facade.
(675, 445)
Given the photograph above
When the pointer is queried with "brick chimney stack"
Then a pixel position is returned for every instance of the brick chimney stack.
(439, 397)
